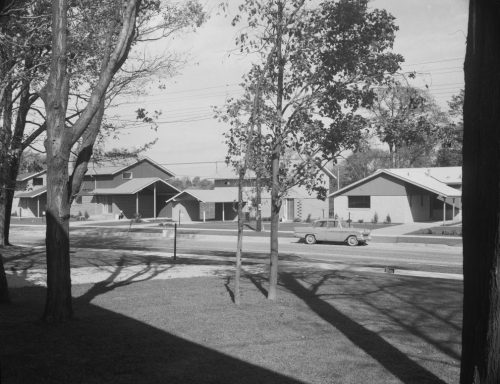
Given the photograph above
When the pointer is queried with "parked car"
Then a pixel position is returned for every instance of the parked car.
(332, 230)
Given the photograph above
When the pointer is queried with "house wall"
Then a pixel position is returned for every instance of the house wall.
(140, 170)
(187, 210)
(30, 207)
(397, 207)
(383, 185)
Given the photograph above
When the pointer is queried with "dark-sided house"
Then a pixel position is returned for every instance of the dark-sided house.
(406, 195)
(136, 187)
(30, 197)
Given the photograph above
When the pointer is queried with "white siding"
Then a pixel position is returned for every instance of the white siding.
(397, 207)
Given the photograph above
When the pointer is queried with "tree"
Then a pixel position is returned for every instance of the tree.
(409, 122)
(123, 22)
(480, 362)
(361, 164)
(23, 61)
(450, 153)
(315, 62)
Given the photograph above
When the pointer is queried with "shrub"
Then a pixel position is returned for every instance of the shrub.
(137, 217)
(297, 220)
(375, 218)
(79, 213)
(86, 214)
(360, 221)
(388, 219)
(308, 220)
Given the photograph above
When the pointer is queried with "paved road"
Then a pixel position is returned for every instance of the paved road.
(416, 257)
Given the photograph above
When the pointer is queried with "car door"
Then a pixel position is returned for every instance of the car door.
(320, 230)
(334, 232)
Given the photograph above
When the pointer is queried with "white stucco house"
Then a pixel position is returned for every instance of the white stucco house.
(405, 195)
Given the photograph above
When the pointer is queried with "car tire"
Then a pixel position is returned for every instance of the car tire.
(352, 241)
(310, 239)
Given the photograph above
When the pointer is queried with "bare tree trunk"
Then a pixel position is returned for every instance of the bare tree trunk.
(5, 140)
(275, 166)
(4, 288)
(239, 246)
(58, 306)
(480, 362)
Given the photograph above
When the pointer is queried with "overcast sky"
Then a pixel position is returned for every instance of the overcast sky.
(431, 38)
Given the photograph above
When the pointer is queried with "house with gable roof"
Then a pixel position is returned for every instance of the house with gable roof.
(108, 189)
(30, 197)
(406, 195)
(130, 187)
(220, 203)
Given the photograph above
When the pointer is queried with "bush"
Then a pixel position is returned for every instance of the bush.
(360, 221)
(388, 219)
(86, 214)
(297, 220)
(308, 220)
(79, 213)
(375, 218)
(137, 218)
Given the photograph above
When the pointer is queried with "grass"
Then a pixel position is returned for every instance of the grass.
(326, 327)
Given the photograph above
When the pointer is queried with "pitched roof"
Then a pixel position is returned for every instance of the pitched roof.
(30, 194)
(446, 175)
(29, 175)
(130, 187)
(230, 194)
(112, 168)
(420, 177)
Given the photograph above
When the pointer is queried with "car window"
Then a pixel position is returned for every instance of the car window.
(318, 224)
(332, 224)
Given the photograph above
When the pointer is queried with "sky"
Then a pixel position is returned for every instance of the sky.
(431, 38)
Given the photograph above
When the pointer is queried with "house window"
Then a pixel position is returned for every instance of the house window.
(127, 175)
(358, 201)
(37, 181)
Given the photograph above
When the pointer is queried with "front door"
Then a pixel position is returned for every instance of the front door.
(290, 209)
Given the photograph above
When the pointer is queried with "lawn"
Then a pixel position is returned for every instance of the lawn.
(326, 327)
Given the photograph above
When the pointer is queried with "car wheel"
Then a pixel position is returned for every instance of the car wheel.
(310, 239)
(352, 241)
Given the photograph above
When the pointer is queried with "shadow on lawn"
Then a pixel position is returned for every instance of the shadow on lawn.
(421, 317)
(102, 346)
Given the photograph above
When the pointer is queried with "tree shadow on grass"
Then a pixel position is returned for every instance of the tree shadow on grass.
(104, 346)
(390, 357)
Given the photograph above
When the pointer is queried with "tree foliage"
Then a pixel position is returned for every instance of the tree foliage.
(409, 122)
(314, 67)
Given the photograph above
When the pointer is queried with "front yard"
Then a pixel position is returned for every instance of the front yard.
(326, 327)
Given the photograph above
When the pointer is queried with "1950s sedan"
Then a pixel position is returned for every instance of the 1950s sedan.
(332, 230)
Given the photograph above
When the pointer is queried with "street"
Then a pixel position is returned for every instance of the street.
(401, 257)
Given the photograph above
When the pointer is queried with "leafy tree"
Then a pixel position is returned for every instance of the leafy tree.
(480, 362)
(450, 153)
(314, 64)
(409, 122)
(361, 164)
(121, 22)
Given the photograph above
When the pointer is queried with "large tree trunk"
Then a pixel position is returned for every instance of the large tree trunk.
(5, 140)
(481, 197)
(275, 166)
(58, 305)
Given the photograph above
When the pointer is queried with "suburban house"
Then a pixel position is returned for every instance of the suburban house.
(108, 190)
(404, 195)
(30, 197)
(220, 203)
